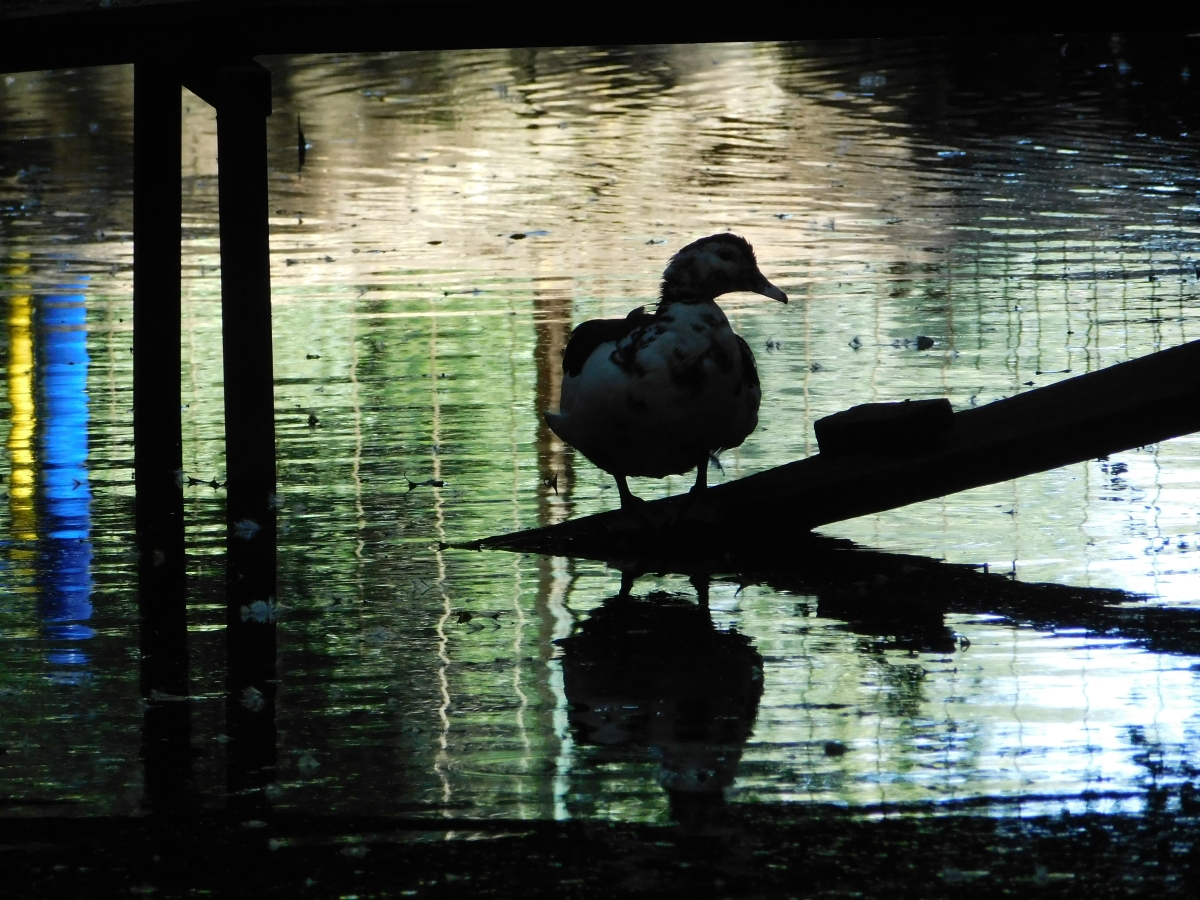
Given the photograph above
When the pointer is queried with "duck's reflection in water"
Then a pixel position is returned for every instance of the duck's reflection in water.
(654, 672)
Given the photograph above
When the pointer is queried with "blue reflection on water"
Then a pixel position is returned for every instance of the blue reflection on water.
(66, 568)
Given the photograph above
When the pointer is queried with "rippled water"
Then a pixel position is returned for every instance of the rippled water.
(1032, 209)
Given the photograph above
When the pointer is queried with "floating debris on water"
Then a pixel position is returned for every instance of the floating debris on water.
(263, 611)
(212, 483)
(252, 699)
(429, 482)
(246, 529)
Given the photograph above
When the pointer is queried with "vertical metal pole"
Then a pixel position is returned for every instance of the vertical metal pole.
(244, 102)
(157, 428)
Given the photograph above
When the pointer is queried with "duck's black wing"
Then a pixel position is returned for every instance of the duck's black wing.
(749, 369)
(590, 335)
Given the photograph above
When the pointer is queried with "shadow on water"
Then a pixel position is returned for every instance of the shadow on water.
(654, 675)
(902, 600)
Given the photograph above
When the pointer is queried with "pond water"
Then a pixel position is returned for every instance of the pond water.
(1031, 207)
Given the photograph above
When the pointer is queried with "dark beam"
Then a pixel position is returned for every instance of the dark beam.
(157, 429)
(244, 102)
(157, 417)
(1129, 405)
(83, 34)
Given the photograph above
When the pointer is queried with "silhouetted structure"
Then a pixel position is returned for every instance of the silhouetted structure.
(241, 93)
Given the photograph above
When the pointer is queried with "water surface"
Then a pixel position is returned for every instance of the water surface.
(1031, 209)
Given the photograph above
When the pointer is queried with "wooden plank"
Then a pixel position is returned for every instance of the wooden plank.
(1128, 405)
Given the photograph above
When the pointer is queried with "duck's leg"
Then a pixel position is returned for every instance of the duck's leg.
(700, 504)
(628, 577)
(628, 501)
(701, 484)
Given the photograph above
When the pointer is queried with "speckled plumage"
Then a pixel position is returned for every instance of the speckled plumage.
(654, 394)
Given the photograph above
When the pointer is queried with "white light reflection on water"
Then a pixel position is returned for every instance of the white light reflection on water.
(1067, 720)
(423, 334)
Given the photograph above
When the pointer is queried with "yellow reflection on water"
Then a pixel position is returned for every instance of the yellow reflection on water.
(21, 401)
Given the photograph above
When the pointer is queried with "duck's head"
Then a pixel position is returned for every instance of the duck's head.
(712, 266)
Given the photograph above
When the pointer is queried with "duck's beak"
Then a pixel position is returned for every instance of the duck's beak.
(767, 289)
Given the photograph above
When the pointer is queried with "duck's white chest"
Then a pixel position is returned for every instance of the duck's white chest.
(665, 395)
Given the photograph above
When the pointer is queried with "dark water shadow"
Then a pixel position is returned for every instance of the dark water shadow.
(900, 598)
(654, 674)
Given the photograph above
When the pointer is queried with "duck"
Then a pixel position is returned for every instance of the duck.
(659, 393)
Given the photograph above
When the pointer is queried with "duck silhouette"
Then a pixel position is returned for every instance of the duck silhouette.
(655, 394)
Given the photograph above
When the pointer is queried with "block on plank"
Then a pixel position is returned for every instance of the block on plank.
(884, 429)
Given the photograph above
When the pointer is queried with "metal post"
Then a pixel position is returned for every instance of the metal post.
(243, 93)
(157, 427)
